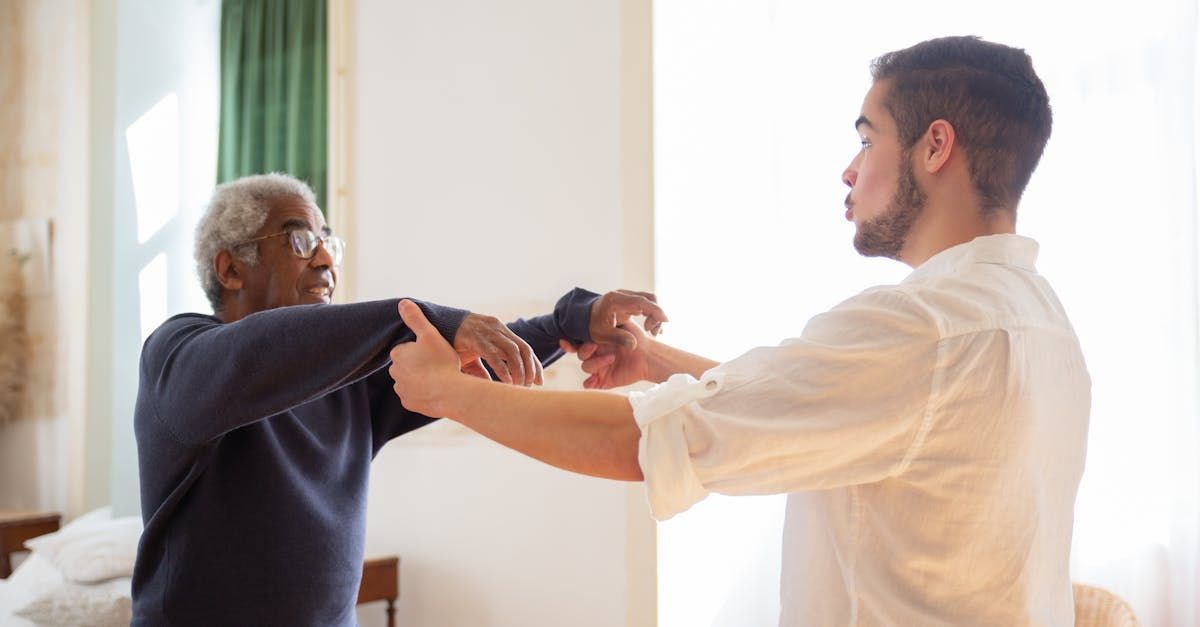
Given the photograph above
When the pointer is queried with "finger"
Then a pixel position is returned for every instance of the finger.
(495, 359)
(475, 369)
(645, 307)
(643, 303)
(516, 362)
(567, 346)
(587, 350)
(596, 364)
(415, 319)
(617, 337)
(533, 372)
(530, 366)
(647, 295)
(652, 326)
(515, 359)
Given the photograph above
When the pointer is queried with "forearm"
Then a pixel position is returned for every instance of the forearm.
(663, 361)
(210, 378)
(592, 433)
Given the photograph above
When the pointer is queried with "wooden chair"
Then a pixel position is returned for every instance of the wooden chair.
(381, 582)
(1097, 607)
(16, 528)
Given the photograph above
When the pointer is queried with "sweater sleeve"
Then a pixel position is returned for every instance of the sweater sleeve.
(206, 378)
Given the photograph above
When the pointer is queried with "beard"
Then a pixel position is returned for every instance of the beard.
(885, 235)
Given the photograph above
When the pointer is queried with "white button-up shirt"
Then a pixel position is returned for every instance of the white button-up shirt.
(931, 437)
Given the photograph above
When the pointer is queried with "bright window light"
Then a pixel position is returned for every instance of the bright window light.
(754, 108)
(152, 294)
(153, 143)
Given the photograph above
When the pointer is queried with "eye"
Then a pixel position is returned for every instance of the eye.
(866, 143)
(303, 242)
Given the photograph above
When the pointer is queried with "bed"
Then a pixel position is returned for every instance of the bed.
(80, 575)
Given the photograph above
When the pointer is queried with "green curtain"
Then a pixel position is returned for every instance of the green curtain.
(273, 96)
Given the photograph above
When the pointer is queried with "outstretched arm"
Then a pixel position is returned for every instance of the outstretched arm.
(592, 433)
(201, 378)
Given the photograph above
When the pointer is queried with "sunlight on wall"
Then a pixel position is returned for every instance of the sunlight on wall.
(152, 294)
(153, 142)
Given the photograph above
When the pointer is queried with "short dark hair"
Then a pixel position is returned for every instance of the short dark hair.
(991, 96)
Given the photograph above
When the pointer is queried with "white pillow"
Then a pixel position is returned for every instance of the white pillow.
(38, 592)
(17, 589)
(86, 520)
(35, 574)
(68, 604)
(93, 548)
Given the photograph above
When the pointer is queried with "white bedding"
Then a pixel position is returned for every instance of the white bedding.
(77, 576)
(8, 604)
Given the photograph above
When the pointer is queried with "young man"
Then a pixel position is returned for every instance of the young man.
(930, 434)
(256, 426)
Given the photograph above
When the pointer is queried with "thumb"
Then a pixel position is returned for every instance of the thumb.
(617, 336)
(415, 319)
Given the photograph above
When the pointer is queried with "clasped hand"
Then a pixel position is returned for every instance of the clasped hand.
(425, 370)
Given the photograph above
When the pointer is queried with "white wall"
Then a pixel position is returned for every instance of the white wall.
(488, 175)
(165, 74)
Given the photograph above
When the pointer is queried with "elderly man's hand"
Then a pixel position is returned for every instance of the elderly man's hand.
(488, 338)
(613, 310)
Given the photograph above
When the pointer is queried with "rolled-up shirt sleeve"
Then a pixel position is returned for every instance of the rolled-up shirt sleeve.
(846, 403)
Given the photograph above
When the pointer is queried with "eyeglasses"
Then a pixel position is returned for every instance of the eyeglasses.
(305, 242)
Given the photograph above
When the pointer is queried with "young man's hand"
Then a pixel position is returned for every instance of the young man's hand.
(611, 366)
(425, 370)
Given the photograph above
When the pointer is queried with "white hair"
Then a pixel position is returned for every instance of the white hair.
(237, 211)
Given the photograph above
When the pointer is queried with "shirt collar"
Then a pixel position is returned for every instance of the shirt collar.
(1006, 249)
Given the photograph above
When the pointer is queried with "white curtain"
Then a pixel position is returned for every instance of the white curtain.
(754, 108)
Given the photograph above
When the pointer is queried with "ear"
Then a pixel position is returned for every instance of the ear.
(229, 270)
(936, 146)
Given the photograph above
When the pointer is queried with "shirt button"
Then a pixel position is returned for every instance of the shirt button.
(710, 386)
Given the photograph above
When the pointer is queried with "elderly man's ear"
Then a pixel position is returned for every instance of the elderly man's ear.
(229, 270)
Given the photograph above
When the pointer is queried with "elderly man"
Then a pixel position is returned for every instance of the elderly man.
(930, 434)
(256, 426)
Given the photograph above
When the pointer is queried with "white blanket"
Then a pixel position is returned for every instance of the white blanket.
(79, 575)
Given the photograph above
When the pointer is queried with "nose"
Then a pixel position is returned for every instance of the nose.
(850, 175)
(322, 258)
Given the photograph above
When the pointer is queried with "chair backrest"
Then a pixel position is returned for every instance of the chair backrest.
(1097, 607)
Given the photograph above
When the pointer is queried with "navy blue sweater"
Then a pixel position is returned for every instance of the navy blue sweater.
(254, 446)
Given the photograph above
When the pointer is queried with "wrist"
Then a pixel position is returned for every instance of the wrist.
(662, 361)
(458, 396)
(658, 367)
(469, 398)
